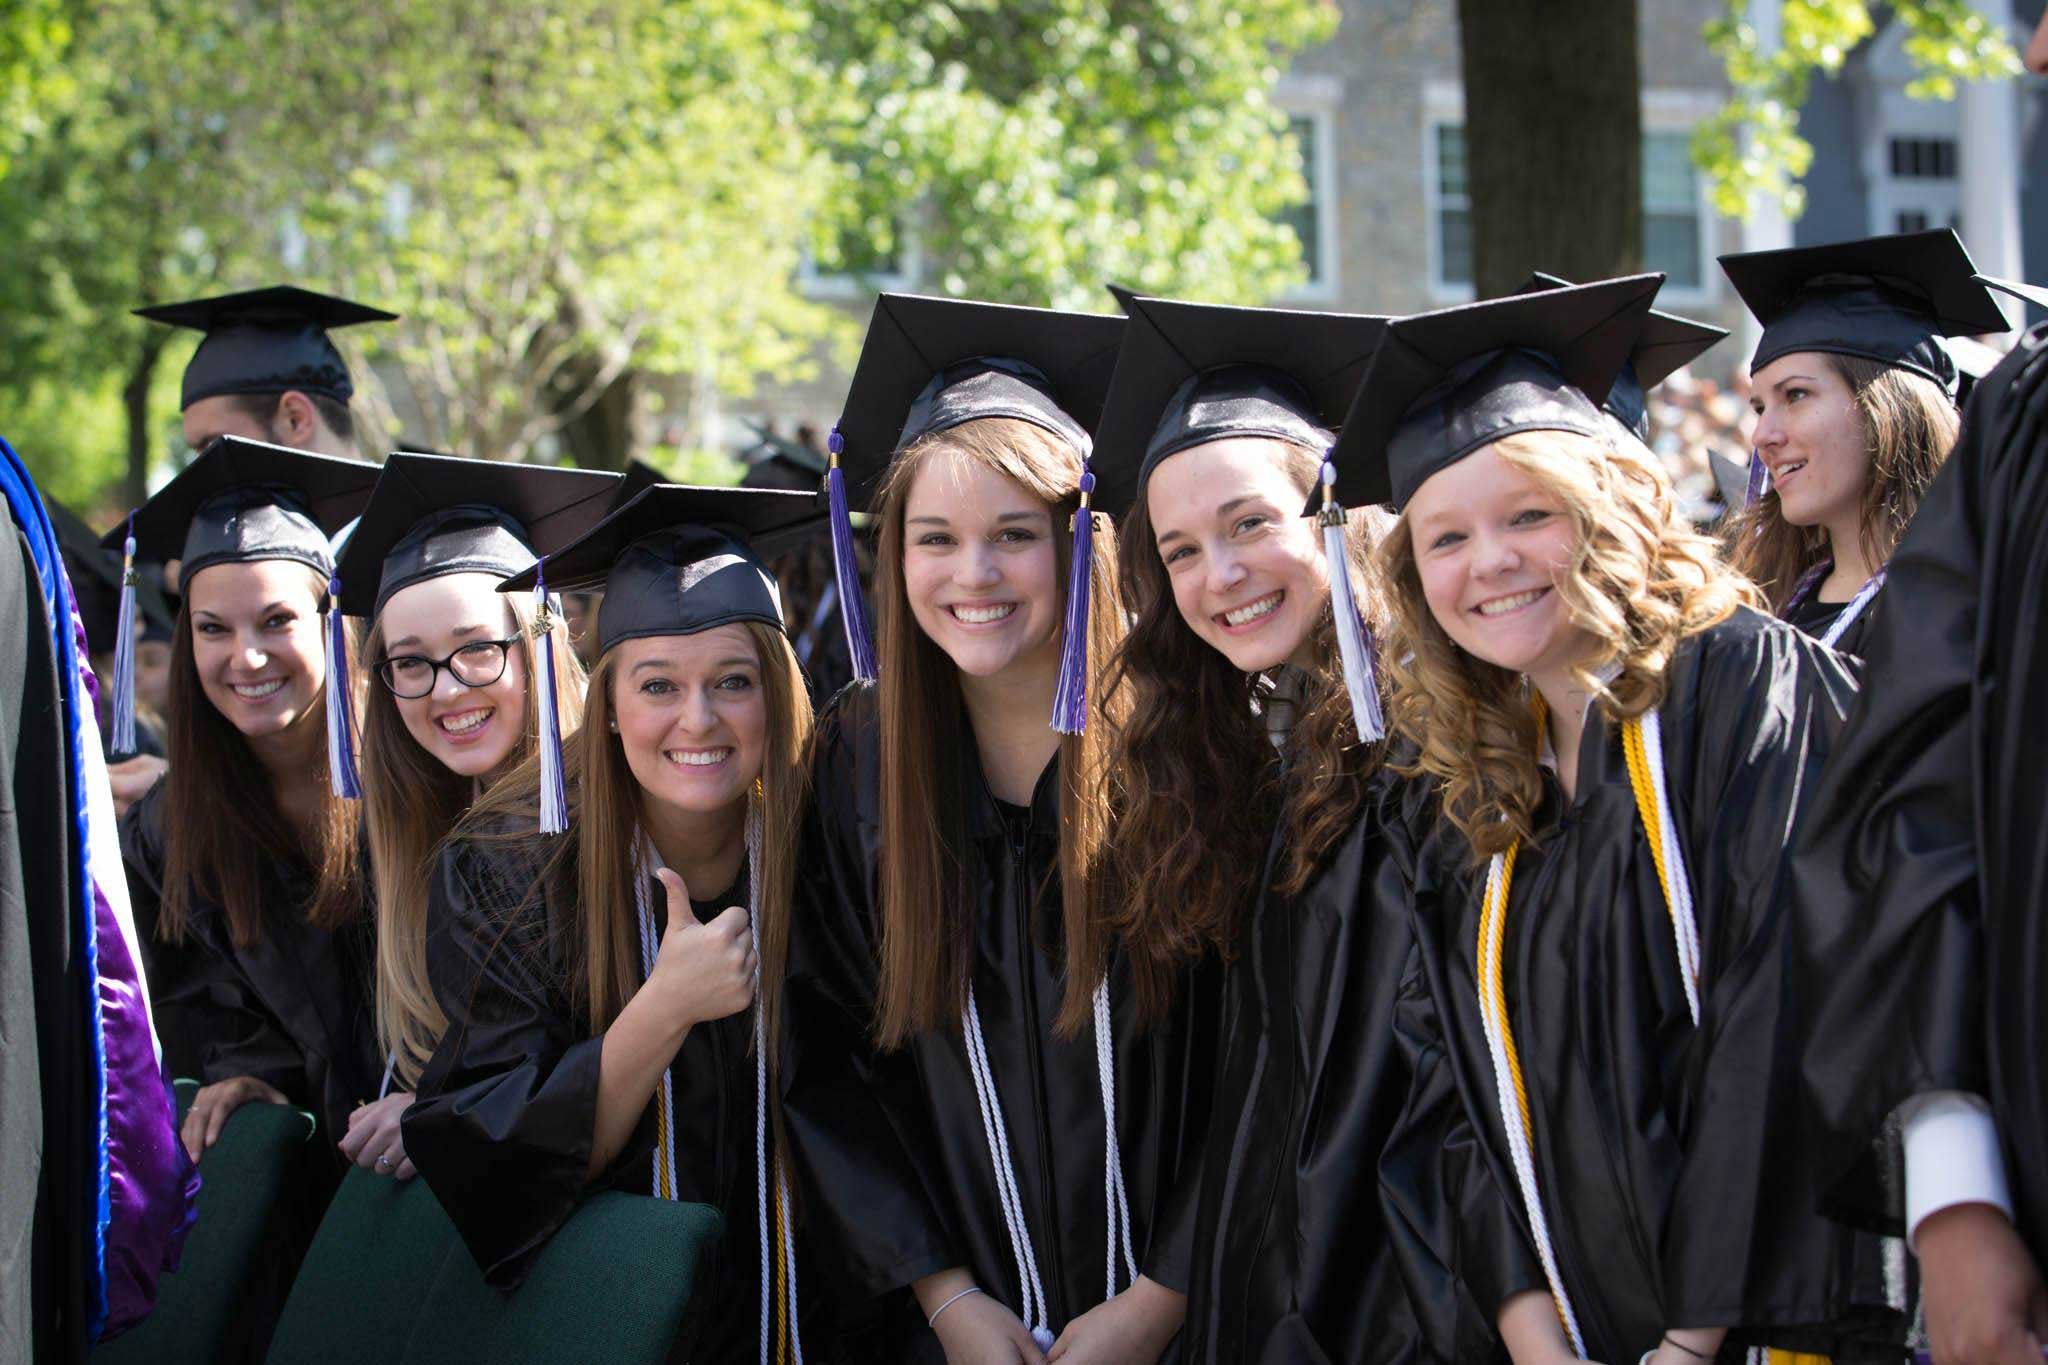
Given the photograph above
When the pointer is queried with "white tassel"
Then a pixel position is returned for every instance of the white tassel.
(1354, 643)
(1033, 1309)
(554, 801)
(1114, 1197)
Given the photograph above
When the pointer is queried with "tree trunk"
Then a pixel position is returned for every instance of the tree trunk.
(149, 349)
(607, 434)
(1553, 139)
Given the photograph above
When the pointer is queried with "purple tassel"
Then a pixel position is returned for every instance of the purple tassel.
(554, 801)
(853, 610)
(1070, 694)
(1759, 479)
(124, 650)
(342, 777)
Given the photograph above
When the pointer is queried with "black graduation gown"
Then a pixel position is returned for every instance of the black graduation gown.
(1815, 617)
(1667, 1155)
(296, 1009)
(1292, 1255)
(1924, 873)
(508, 1103)
(897, 1181)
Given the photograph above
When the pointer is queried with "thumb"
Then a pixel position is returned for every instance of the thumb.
(679, 913)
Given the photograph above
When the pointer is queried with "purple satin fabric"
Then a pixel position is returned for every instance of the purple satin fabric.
(149, 1186)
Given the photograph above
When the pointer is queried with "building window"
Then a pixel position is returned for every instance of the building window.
(1305, 217)
(1923, 158)
(1311, 105)
(1673, 220)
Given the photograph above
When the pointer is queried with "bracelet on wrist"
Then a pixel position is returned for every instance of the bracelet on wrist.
(1670, 1340)
(932, 1321)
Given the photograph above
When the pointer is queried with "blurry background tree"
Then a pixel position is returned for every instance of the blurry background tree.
(583, 206)
(1553, 130)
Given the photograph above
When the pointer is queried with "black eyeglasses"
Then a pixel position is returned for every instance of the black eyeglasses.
(477, 664)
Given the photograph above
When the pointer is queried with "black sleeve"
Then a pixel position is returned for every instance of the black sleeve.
(508, 1108)
(853, 1115)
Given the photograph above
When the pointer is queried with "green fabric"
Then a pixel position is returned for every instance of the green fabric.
(389, 1279)
(240, 1178)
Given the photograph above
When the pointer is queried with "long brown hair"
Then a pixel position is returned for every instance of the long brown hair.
(602, 969)
(410, 803)
(1195, 790)
(927, 927)
(1909, 427)
(221, 821)
(1639, 582)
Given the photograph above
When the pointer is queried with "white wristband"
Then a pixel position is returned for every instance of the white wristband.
(934, 1318)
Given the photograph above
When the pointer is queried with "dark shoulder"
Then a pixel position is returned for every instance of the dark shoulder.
(142, 831)
(848, 731)
(500, 869)
(1752, 663)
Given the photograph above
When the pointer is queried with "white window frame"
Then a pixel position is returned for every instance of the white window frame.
(1664, 111)
(1317, 99)
(1901, 117)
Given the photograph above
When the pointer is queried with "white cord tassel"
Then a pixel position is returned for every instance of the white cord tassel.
(1684, 928)
(644, 864)
(1113, 1194)
(1519, 1153)
(554, 800)
(1354, 645)
(1848, 615)
(1033, 1309)
(761, 1123)
(123, 701)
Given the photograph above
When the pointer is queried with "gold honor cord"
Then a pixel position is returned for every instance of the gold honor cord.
(1653, 807)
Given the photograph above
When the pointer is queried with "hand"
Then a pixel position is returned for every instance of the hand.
(373, 1141)
(1530, 1330)
(703, 971)
(1984, 1300)
(1137, 1325)
(979, 1331)
(132, 778)
(212, 1105)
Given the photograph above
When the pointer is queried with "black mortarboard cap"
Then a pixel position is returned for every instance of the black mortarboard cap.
(777, 462)
(639, 477)
(1666, 343)
(1882, 298)
(1445, 383)
(265, 341)
(679, 559)
(1190, 373)
(432, 515)
(2028, 293)
(931, 364)
(246, 500)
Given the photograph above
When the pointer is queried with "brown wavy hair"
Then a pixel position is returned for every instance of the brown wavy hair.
(1640, 581)
(602, 968)
(927, 927)
(1195, 789)
(410, 803)
(221, 822)
(1909, 427)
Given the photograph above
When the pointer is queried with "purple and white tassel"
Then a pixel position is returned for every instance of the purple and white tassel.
(124, 650)
(1070, 693)
(1759, 479)
(341, 721)
(554, 800)
(1354, 641)
(853, 608)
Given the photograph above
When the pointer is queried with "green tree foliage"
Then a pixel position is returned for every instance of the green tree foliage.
(1751, 148)
(577, 203)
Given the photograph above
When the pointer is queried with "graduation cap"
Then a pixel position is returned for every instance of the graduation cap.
(1886, 299)
(432, 515)
(265, 341)
(675, 560)
(2027, 293)
(1445, 383)
(1666, 344)
(780, 463)
(242, 501)
(1190, 373)
(929, 365)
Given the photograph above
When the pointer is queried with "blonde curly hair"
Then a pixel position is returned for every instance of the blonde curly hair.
(1640, 580)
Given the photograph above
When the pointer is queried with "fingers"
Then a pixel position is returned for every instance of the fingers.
(192, 1133)
(678, 894)
(406, 1170)
(217, 1117)
(354, 1142)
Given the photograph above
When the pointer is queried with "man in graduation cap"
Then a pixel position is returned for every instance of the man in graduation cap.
(266, 370)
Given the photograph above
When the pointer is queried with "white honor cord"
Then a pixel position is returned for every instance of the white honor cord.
(645, 862)
(1033, 1309)
(1852, 610)
(390, 1065)
(796, 1340)
(1520, 1156)
(1113, 1195)
(1684, 928)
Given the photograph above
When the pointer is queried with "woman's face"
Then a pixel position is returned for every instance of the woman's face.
(257, 642)
(692, 716)
(1490, 542)
(979, 566)
(1245, 565)
(1810, 436)
(468, 729)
